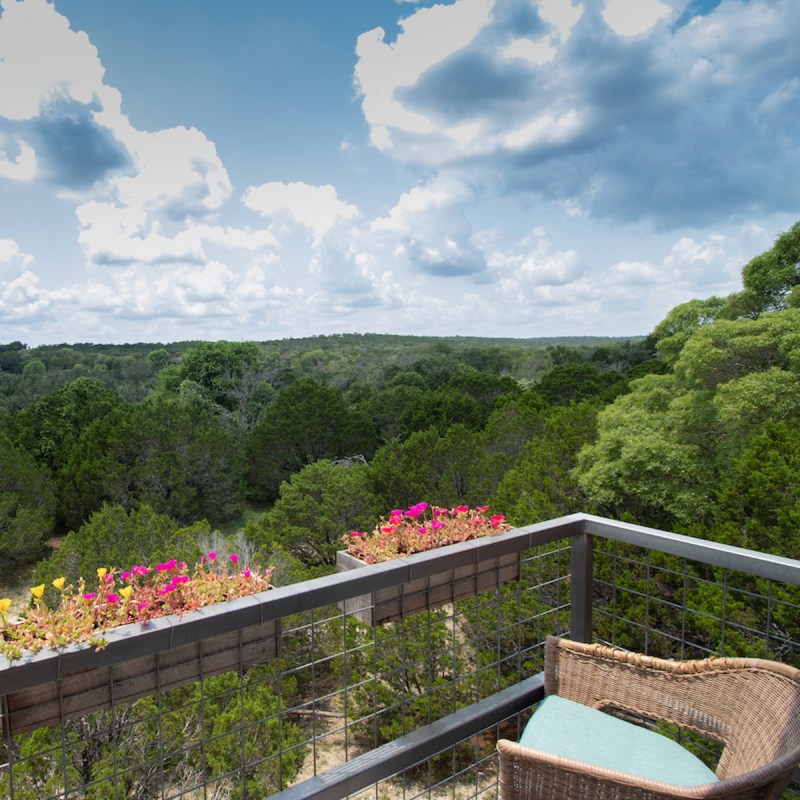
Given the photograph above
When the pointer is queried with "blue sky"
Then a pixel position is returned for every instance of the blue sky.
(264, 169)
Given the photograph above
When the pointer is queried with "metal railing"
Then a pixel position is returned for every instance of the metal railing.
(291, 694)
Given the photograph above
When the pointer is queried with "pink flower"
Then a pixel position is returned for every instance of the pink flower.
(184, 579)
(461, 509)
(112, 598)
(397, 512)
(388, 529)
(496, 520)
(357, 534)
(108, 577)
(396, 519)
(139, 570)
(167, 566)
(417, 510)
(89, 596)
(422, 531)
(436, 524)
(127, 575)
(246, 573)
(234, 559)
(212, 556)
(182, 565)
(167, 589)
(482, 508)
(142, 606)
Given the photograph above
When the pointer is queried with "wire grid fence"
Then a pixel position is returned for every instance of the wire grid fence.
(673, 607)
(338, 689)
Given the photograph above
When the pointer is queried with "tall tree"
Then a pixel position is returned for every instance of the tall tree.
(316, 507)
(307, 421)
(27, 505)
(177, 459)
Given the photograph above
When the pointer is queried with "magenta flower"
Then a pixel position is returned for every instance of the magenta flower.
(234, 559)
(422, 531)
(142, 606)
(140, 570)
(357, 534)
(182, 565)
(167, 566)
(212, 556)
(461, 509)
(436, 524)
(183, 579)
(127, 575)
(246, 573)
(90, 596)
(108, 577)
(496, 520)
(112, 598)
(417, 510)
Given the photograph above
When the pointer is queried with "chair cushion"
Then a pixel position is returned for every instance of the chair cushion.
(571, 730)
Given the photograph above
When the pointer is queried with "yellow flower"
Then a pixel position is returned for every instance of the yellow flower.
(59, 583)
(38, 591)
(101, 572)
(126, 591)
(5, 604)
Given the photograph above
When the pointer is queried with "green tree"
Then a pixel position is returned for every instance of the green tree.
(541, 485)
(663, 448)
(306, 422)
(224, 735)
(225, 378)
(566, 383)
(116, 537)
(771, 279)
(315, 508)
(27, 505)
(49, 427)
(759, 505)
(179, 460)
(443, 469)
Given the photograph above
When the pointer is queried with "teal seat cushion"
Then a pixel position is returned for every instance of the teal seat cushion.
(571, 730)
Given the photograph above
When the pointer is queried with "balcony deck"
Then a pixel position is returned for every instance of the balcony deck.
(285, 694)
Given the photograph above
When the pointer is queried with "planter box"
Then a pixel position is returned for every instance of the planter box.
(432, 591)
(141, 659)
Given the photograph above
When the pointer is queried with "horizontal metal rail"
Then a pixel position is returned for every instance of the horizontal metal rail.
(392, 758)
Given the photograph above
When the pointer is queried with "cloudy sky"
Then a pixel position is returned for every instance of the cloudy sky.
(263, 169)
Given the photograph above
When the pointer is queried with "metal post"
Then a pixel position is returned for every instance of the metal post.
(581, 592)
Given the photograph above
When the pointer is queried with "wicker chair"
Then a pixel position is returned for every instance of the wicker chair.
(750, 706)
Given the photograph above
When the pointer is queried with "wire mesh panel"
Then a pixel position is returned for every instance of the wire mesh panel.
(673, 607)
(332, 689)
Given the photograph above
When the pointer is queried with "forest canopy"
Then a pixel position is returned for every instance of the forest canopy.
(290, 441)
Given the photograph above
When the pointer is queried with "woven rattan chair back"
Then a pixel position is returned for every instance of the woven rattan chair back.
(750, 706)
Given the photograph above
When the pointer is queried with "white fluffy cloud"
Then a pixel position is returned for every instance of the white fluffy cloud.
(317, 208)
(632, 17)
(505, 119)
(598, 105)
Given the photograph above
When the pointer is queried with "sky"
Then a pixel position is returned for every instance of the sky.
(270, 169)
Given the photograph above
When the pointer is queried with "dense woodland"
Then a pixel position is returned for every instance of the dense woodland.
(138, 452)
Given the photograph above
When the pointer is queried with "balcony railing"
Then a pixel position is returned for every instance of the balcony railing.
(285, 694)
